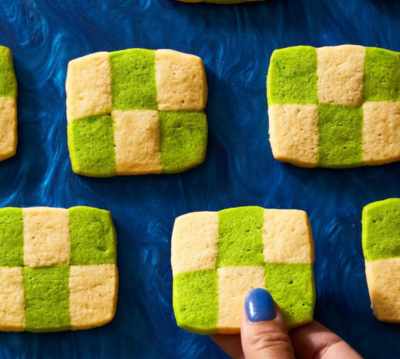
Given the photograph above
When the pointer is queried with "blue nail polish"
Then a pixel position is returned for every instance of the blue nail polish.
(259, 305)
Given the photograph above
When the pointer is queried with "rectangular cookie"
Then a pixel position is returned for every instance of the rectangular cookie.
(217, 257)
(334, 106)
(136, 111)
(381, 247)
(59, 259)
(8, 105)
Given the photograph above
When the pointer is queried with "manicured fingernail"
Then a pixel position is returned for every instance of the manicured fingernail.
(259, 305)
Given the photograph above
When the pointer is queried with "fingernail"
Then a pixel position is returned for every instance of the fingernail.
(259, 305)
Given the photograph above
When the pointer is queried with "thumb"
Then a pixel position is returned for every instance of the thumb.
(263, 331)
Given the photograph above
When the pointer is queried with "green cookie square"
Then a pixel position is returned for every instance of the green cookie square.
(340, 136)
(91, 146)
(240, 240)
(381, 229)
(381, 75)
(195, 300)
(8, 82)
(92, 236)
(133, 79)
(183, 140)
(292, 76)
(11, 237)
(46, 298)
(292, 287)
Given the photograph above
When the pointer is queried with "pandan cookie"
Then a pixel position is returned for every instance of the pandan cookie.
(334, 106)
(57, 269)
(136, 111)
(8, 105)
(381, 247)
(217, 257)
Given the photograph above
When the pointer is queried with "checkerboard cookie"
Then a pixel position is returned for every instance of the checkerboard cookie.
(136, 111)
(217, 257)
(334, 106)
(59, 259)
(8, 105)
(381, 247)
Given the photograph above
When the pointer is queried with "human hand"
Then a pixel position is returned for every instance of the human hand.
(263, 335)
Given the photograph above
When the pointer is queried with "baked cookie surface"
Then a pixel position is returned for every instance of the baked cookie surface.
(8, 105)
(136, 111)
(334, 107)
(217, 257)
(59, 259)
(381, 247)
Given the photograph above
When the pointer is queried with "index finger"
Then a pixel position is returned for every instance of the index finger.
(316, 341)
(230, 344)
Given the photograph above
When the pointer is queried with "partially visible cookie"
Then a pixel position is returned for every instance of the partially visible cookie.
(136, 111)
(381, 247)
(335, 106)
(59, 259)
(217, 257)
(227, 2)
(8, 105)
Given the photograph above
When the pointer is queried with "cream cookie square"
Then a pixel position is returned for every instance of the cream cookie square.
(294, 134)
(287, 237)
(340, 71)
(381, 132)
(234, 283)
(88, 86)
(181, 81)
(46, 236)
(194, 242)
(137, 142)
(383, 278)
(8, 127)
(12, 310)
(93, 295)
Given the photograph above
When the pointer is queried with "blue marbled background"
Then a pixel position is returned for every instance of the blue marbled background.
(235, 42)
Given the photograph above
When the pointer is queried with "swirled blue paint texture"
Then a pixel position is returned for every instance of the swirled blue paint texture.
(235, 43)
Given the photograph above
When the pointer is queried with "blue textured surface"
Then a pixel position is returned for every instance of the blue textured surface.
(235, 42)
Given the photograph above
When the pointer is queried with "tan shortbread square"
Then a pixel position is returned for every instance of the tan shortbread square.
(233, 285)
(12, 306)
(340, 71)
(194, 242)
(181, 81)
(287, 237)
(93, 295)
(8, 127)
(88, 86)
(294, 134)
(137, 142)
(383, 278)
(381, 132)
(46, 236)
